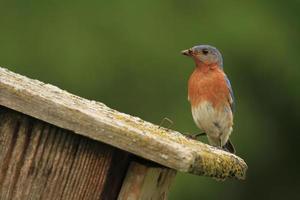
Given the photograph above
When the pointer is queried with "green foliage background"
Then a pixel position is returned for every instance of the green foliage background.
(126, 54)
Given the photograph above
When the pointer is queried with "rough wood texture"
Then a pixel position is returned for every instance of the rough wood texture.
(41, 161)
(97, 121)
(146, 182)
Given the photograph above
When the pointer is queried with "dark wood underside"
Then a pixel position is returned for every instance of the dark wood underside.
(41, 161)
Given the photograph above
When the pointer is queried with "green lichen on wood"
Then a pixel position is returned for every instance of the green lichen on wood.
(224, 165)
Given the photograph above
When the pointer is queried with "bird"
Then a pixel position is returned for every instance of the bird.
(211, 96)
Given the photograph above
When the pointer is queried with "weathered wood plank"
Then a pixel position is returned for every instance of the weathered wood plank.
(145, 181)
(41, 161)
(97, 121)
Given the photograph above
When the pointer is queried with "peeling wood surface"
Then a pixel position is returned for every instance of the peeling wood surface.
(99, 122)
(146, 182)
(41, 161)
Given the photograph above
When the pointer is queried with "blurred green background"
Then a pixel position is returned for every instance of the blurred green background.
(126, 55)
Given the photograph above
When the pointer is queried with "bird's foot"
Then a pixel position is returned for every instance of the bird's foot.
(194, 136)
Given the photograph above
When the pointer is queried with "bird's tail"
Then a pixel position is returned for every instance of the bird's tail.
(229, 147)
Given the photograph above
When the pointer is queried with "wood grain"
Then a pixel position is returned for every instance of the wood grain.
(41, 161)
(132, 134)
(146, 182)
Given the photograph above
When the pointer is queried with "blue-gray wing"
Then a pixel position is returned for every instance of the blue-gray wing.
(231, 99)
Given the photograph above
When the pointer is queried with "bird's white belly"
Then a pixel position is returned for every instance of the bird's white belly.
(217, 124)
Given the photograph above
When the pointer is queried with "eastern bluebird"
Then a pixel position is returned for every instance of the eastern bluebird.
(211, 96)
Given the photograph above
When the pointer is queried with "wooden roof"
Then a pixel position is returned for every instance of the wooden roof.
(99, 122)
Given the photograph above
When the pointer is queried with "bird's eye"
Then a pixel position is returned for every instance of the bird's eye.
(205, 51)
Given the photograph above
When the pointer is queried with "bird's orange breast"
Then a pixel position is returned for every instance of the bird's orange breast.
(208, 85)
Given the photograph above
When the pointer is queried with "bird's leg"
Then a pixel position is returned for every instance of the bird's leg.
(199, 134)
(164, 120)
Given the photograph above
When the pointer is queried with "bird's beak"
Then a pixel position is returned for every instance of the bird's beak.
(187, 52)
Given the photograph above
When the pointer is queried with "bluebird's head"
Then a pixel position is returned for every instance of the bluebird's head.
(205, 54)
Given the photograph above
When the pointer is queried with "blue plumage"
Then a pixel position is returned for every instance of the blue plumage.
(232, 104)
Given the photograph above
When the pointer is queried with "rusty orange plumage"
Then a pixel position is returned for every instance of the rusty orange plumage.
(212, 84)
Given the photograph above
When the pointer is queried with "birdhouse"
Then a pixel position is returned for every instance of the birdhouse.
(56, 145)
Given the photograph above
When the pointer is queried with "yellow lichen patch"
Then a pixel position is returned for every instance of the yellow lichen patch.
(220, 165)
